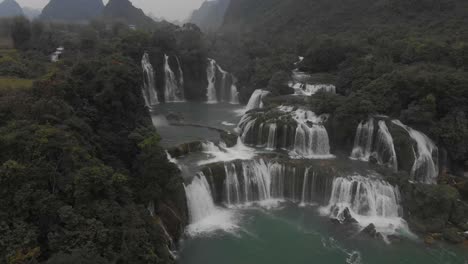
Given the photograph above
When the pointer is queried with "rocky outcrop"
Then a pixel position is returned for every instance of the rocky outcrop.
(210, 16)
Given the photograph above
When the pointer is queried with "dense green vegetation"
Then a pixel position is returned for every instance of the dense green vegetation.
(81, 167)
(405, 59)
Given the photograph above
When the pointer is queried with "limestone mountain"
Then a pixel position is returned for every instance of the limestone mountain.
(124, 11)
(31, 13)
(210, 16)
(9, 8)
(72, 10)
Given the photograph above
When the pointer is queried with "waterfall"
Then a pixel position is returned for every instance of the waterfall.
(385, 149)
(266, 183)
(174, 90)
(368, 200)
(271, 144)
(199, 199)
(204, 216)
(234, 92)
(211, 90)
(311, 89)
(304, 137)
(425, 168)
(378, 145)
(311, 139)
(222, 89)
(149, 85)
(363, 141)
(256, 100)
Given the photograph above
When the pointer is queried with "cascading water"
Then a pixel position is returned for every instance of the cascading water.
(211, 75)
(303, 133)
(149, 85)
(425, 168)
(271, 144)
(369, 201)
(267, 183)
(199, 199)
(174, 90)
(204, 215)
(221, 89)
(311, 89)
(363, 141)
(385, 149)
(378, 145)
(256, 100)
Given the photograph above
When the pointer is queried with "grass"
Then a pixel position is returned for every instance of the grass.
(8, 84)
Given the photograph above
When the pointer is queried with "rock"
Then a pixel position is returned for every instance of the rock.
(174, 117)
(347, 217)
(371, 231)
(184, 149)
(453, 235)
(229, 138)
(429, 240)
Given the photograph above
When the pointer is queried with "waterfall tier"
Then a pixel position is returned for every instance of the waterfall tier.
(303, 85)
(173, 83)
(241, 183)
(256, 100)
(425, 168)
(221, 85)
(297, 130)
(367, 200)
(377, 144)
(150, 93)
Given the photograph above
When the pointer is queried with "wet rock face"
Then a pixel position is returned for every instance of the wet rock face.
(347, 218)
(229, 138)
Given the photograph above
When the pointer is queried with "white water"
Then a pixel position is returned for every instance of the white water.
(223, 89)
(425, 168)
(311, 89)
(211, 75)
(309, 140)
(205, 217)
(220, 152)
(271, 143)
(173, 87)
(385, 149)
(363, 141)
(149, 85)
(370, 201)
(256, 100)
(379, 145)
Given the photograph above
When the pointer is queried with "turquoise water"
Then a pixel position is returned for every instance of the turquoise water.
(299, 236)
(211, 115)
(285, 235)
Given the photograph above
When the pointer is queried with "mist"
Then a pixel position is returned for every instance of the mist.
(169, 9)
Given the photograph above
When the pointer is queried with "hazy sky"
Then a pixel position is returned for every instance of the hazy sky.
(170, 9)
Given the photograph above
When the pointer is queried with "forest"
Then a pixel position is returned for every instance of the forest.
(81, 162)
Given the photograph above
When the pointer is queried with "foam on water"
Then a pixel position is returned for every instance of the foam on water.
(221, 152)
(205, 217)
